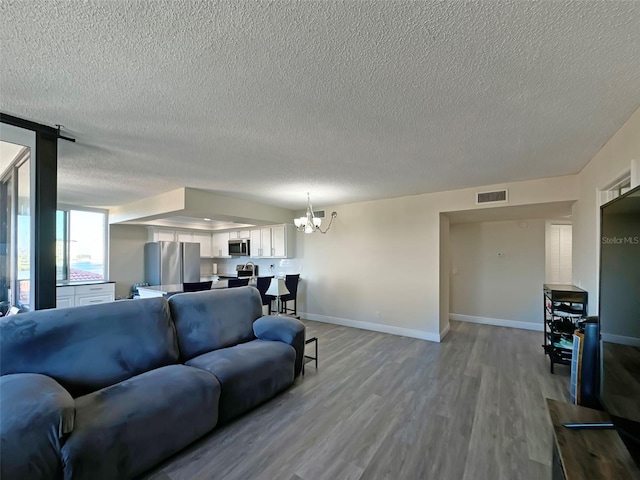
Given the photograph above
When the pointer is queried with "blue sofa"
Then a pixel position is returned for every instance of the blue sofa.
(108, 391)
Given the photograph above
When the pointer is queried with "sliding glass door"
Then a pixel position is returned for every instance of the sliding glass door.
(17, 147)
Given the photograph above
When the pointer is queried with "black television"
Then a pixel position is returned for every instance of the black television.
(619, 316)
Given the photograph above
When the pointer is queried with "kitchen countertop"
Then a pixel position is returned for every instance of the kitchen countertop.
(204, 278)
(162, 290)
(83, 282)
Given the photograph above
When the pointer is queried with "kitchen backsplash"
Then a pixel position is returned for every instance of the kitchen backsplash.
(228, 265)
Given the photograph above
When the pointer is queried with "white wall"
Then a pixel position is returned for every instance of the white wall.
(126, 256)
(611, 161)
(486, 286)
(445, 269)
(379, 265)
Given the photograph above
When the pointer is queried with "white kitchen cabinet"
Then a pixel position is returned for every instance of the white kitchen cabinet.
(283, 239)
(265, 243)
(91, 299)
(75, 295)
(261, 242)
(277, 241)
(239, 234)
(204, 239)
(164, 235)
(256, 244)
(65, 297)
(185, 237)
(220, 244)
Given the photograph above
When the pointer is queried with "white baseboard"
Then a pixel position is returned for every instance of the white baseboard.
(444, 331)
(497, 322)
(375, 327)
(621, 340)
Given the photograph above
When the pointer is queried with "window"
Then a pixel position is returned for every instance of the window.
(81, 246)
(619, 187)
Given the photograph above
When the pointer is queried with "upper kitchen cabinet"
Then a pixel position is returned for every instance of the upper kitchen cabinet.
(220, 244)
(239, 234)
(172, 235)
(277, 241)
(255, 247)
(184, 236)
(261, 243)
(204, 239)
(161, 235)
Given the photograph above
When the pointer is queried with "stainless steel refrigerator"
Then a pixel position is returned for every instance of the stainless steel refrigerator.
(171, 263)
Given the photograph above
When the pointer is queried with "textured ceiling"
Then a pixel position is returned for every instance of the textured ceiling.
(347, 100)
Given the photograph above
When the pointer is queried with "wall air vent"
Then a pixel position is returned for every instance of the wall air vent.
(318, 213)
(499, 196)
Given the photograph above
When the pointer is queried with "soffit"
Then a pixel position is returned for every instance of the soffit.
(549, 211)
(350, 101)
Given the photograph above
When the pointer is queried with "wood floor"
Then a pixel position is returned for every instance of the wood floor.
(387, 407)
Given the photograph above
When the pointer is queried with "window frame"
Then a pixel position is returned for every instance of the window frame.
(68, 208)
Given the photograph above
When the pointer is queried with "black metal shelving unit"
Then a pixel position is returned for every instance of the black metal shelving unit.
(564, 306)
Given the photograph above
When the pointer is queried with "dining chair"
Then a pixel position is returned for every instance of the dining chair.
(262, 286)
(291, 281)
(238, 282)
(196, 286)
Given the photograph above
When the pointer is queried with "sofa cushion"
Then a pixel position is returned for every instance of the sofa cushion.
(249, 373)
(125, 429)
(283, 329)
(35, 411)
(90, 347)
(214, 319)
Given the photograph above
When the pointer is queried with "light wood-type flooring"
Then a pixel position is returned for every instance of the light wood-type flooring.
(388, 407)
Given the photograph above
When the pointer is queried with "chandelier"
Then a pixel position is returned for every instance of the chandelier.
(310, 223)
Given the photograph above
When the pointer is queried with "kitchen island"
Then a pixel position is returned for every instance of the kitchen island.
(168, 290)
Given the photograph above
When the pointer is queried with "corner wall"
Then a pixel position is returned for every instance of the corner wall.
(614, 159)
(126, 256)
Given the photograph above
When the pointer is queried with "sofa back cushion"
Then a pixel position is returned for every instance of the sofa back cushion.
(214, 319)
(88, 348)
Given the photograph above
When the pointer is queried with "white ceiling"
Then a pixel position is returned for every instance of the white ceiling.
(347, 100)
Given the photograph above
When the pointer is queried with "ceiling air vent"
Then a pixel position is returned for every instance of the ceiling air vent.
(499, 196)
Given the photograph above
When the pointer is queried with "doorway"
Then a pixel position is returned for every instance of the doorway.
(558, 253)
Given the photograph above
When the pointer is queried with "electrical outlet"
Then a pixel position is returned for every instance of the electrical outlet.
(378, 315)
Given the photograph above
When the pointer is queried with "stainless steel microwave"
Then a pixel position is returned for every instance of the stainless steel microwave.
(239, 248)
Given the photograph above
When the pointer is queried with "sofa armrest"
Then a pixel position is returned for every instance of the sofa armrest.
(36, 413)
(283, 329)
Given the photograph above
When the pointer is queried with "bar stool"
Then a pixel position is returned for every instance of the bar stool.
(262, 285)
(196, 286)
(238, 282)
(291, 281)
